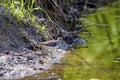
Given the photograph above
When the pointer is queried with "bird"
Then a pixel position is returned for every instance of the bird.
(52, 43)
(59, 43)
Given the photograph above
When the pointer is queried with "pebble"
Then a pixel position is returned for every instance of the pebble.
(40, 61)
(36, 76)
(1, 74)
(41, 69)
(72, 49)
(68, 52)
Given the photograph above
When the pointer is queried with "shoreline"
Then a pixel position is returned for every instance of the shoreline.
(15, 69)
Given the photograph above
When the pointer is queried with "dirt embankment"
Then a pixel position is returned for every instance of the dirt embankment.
(15, 34)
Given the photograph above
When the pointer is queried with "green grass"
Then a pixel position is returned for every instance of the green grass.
(17, 9)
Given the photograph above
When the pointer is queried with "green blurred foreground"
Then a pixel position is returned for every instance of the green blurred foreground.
(103, 53)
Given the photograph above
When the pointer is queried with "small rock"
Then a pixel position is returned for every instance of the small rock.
(68, 52)
(36, 76)
(72, 49)
(1, 74)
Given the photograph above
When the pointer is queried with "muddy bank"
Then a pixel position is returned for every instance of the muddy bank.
(20, 64)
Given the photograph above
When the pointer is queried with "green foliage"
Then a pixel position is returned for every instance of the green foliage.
(18, 10)
(15, 7)
(43, 28)
(23, 9)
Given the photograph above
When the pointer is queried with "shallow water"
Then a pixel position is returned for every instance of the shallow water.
(101, 60)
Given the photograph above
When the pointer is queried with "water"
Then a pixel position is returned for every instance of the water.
(101, 60)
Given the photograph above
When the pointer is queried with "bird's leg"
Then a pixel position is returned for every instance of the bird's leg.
(52, 55)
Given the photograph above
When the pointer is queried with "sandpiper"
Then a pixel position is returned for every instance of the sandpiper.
(59, 43)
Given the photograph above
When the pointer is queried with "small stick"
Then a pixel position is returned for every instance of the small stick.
(89, 64)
